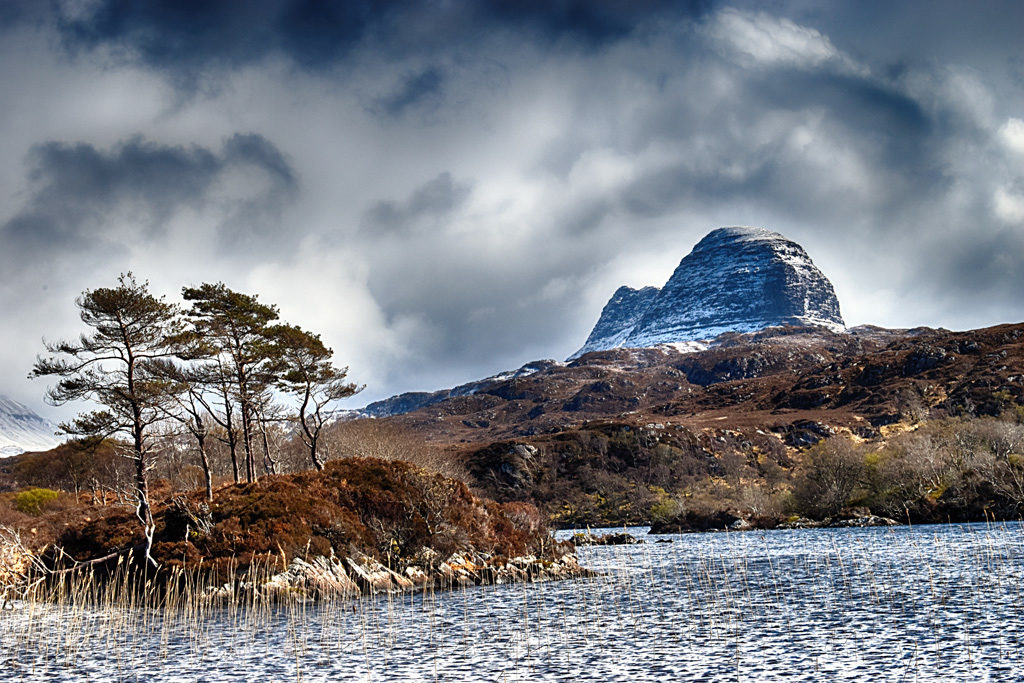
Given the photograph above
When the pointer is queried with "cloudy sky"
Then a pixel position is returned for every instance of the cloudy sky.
(449, 189)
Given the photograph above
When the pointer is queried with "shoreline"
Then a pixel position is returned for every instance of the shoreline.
(601, 531)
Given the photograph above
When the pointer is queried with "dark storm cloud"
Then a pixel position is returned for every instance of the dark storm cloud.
(593, 23)
(434, 199)
(412, 91)
(187, 39)
(173, 34)
(257, 151)
(862, 102)
(75, 187)
(77, 177)
(12, 14)
(890, 130)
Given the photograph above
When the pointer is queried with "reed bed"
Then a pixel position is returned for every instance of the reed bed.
(924, 603)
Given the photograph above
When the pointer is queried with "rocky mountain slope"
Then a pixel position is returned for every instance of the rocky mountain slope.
(23, 430)
(618, 318)
(601, 439)
(736, 279)
(862, 378)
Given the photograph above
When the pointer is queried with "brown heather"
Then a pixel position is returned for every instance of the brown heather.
(393, 512)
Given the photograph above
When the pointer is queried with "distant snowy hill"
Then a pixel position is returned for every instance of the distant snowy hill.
(22, 430)
(410, 401)
(736, 279)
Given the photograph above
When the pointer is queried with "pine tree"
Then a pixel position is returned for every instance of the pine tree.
(235, 324)
(120, 365)
(303, 368)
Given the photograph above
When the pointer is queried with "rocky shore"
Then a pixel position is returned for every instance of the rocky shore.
(835, 523)
(354, 577)
(724, 521)
(335, 577)
(360, 527)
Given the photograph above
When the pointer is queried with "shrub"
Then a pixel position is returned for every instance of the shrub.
(32, 501)
(831, 471)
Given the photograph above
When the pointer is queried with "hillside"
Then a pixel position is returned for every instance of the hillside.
(758, 429)
(630, 424)
(862, 379)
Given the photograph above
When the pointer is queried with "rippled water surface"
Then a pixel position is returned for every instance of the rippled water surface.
(929, 603)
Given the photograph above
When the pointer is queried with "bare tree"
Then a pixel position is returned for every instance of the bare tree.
(269, 418)
(193, 411)
(1005, 441)
(386, 440)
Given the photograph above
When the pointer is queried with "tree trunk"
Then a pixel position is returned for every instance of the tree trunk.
(269, 464)
(313, 454)
(204, 458)
(250, 468)
(143, 509)
(229, 426)
(311, 436)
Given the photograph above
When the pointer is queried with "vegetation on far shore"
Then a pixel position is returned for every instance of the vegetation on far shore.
(940, 470)
(609, 474)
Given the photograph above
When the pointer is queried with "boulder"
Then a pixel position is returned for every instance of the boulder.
(620, 538)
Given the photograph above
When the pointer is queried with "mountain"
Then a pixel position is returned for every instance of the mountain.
(415, 400)
(737, 279)
(22, 430)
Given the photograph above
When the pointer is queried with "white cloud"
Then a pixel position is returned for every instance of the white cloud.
(773, 41)
(1012, 134)
(1009, 207)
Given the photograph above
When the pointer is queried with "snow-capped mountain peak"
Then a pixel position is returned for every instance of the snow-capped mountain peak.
(736, 279)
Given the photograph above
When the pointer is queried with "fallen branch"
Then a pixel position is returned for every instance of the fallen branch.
(88, 563)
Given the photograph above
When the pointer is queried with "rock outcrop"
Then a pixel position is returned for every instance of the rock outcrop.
(736, 279)
(331, 577)
(618, 318)
(620, 538)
